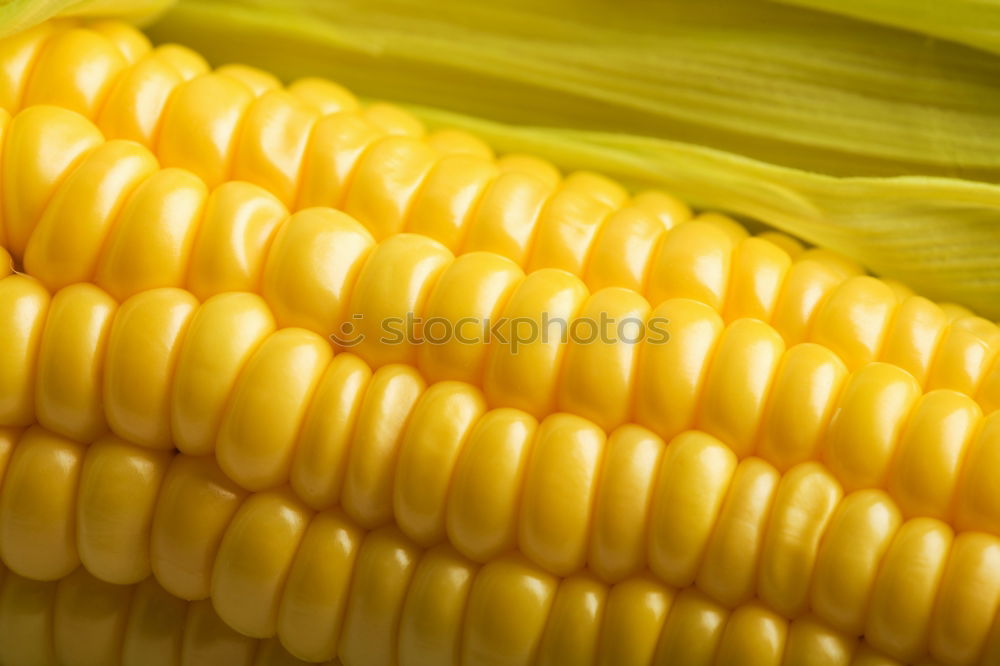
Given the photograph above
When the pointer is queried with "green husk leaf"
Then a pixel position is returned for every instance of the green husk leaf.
(970, 22)
(875, 141)
(18, 15)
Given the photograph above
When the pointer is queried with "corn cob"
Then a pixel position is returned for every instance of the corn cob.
(963, 350)
(142, 625)
(273, 567)
(81, 621)
(304, 291)
(215, 378)
(737, 531)
(173, 233)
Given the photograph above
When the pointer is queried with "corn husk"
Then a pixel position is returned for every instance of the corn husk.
(971, 22)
